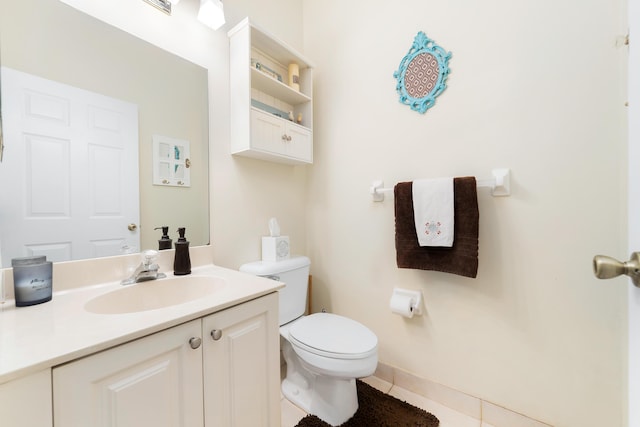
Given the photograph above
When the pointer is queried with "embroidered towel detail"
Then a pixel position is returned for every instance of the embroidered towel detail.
(462, 257)
(433, 211)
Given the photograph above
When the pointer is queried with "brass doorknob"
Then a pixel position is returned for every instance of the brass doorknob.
(132, 227)
(605, 267)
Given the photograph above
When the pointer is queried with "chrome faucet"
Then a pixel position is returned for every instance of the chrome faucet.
(147, 270)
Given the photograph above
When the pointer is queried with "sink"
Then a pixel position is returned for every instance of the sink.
(155, 294)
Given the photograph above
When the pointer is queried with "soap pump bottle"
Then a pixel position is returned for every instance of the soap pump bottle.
(165, 241)
(182, 260)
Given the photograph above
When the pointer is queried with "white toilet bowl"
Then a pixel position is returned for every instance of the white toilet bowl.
(325, 353)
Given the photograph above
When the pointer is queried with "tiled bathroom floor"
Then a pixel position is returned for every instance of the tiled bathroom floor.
(448, 417)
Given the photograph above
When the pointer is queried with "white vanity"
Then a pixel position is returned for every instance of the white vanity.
(83, 359)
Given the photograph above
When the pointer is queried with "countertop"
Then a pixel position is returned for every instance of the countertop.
(45, 335)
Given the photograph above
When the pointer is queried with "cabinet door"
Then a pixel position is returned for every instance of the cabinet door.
(154, 381)
(278, 137)
(299, 146)
(267, 132)
(242, 365)
(26, 401)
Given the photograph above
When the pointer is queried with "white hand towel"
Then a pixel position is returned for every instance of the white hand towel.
(433, 211)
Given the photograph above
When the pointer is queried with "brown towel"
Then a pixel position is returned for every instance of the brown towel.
(462, 258)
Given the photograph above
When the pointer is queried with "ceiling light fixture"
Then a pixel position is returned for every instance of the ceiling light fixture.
(211, 13)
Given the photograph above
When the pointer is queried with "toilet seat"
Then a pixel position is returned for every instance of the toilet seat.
(333, 336)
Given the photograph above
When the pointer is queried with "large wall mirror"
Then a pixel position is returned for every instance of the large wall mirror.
(50, 40)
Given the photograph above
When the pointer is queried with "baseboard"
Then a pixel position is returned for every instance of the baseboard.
(464, 403)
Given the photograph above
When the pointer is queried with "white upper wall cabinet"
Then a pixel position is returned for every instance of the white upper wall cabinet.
(271, 95)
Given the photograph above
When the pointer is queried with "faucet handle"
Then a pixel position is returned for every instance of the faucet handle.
(149, 256)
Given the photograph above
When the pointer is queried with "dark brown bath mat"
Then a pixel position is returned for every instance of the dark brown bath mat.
(376, 409)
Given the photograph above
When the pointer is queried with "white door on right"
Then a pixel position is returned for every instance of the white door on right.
(634, 212)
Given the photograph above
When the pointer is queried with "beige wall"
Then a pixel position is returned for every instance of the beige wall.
(537, 87)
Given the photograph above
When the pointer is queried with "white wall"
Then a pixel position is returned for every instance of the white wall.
(537, 87)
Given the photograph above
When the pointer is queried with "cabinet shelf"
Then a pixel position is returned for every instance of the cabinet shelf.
(259, 134)
(276, 48)
(279, 90)
(285, 121)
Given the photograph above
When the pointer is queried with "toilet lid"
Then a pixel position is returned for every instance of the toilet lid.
(338, 336)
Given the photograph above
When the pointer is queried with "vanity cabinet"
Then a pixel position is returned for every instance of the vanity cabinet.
(220, 370)
(260, 89)
(26, 401)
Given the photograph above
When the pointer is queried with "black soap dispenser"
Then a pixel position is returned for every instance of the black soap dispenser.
(182, 260)
(165, 241)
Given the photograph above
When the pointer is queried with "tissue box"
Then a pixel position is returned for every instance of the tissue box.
(275, 248)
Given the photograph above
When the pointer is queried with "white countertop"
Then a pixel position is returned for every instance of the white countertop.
(45, 335)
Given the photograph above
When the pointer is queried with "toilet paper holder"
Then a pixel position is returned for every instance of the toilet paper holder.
(415, 305)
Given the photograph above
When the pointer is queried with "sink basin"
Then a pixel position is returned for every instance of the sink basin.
(155, 294)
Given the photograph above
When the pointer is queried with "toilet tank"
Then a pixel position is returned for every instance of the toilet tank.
(294, 273)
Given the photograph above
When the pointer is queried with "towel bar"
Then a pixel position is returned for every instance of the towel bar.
(500, 185)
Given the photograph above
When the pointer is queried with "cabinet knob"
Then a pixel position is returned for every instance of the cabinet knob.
(195, 342)
(216, 334)
(284, 137)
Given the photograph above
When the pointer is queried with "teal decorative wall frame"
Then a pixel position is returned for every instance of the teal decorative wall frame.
(422, 74)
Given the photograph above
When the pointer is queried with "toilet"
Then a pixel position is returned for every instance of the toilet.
(324, 352)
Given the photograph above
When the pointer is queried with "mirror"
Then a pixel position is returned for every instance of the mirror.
(422, 74)
(51, 40)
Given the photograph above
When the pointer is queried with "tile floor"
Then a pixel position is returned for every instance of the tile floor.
(448, 417)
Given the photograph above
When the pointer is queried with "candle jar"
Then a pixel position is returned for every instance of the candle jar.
(294, 76)
(32, 280)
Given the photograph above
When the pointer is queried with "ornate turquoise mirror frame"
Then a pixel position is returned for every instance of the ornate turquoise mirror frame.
(422, 74)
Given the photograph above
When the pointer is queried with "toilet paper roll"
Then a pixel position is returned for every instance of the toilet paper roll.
(402, 304)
